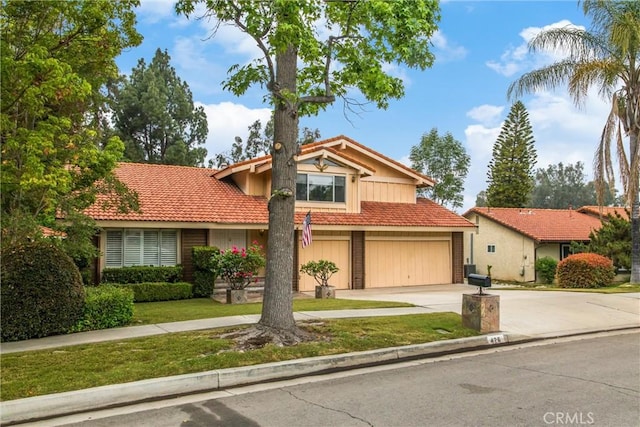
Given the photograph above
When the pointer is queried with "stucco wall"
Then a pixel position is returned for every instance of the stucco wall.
(513, 259)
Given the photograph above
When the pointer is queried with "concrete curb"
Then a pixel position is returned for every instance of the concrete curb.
(55, 405)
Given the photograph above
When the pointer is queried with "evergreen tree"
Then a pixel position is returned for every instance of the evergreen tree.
(155, 116)
(510, 175)
(612, 240)
(559, 186)
(444, 159)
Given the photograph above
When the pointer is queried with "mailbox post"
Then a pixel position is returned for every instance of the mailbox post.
(481, 311)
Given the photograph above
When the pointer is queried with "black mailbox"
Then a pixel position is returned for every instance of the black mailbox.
(479, 280)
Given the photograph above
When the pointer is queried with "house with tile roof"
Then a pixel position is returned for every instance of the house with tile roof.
(365, 213)
(510, 240)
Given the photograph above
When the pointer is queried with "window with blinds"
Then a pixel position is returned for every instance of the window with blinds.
(127, 247)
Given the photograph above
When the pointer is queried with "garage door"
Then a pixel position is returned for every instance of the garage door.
(331, 250)
(407, 263)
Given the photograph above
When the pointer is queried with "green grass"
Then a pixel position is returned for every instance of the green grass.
(204, 308)
(43, 372)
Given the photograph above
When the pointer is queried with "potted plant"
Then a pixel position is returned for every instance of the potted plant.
(321, 271)
(238, 268)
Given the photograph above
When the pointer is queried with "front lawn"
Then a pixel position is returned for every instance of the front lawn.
(43, 372)
(204, 308)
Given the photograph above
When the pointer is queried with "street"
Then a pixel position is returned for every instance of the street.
(572, 381)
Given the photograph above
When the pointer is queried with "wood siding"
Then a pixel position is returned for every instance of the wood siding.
(457, 255)
(381, 191)
(357, 260)
(191, 238)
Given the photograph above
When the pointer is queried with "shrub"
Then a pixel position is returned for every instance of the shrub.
(41, 291)
(142, 274)
(205, 274)
(203, 283)
(321, 270)
(155, 291)
(106, 306)
(546, 269)
(202, 257)
(238, 267)
(585, 270)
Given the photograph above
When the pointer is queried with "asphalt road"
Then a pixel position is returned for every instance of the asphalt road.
(590, 380)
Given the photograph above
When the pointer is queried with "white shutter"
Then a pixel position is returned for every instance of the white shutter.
(132, 247)
(150, 248)
(114, 249)
(168, 247)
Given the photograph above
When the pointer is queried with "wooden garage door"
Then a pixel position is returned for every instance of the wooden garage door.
(324, 247)
(407, 263)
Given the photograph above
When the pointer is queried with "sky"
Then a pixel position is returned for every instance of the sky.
(480, 49)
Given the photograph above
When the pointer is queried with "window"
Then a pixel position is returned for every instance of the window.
(565, 250)
(141, 247)
(320, 188)
(491, 248)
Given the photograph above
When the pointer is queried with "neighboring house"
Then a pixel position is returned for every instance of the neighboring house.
(366, 217)
(510, 240)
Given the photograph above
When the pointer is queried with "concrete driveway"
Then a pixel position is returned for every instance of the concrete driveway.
(533, 313)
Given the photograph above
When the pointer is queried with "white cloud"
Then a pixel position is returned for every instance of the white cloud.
(486, 114)
(154, 11)
(445, 50)
(517, 59)
(227, 120)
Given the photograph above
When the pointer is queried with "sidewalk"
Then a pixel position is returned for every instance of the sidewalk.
(524, 316)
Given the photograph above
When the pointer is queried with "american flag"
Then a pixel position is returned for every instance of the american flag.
(306, 231)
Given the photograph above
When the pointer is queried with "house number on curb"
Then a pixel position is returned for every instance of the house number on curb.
(495, 339)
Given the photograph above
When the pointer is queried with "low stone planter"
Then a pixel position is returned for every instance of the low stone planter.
(481, 312)
(324, 292)
(236, 296)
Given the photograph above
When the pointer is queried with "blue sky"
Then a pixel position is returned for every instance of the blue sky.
(480, 49)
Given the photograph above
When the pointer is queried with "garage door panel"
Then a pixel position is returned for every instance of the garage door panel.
(407, 263)
(336, 251)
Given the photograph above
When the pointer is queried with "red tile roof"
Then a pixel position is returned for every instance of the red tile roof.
(424, 213)
(605, 210)
(542, 225)
(183, 194)
(188, 194)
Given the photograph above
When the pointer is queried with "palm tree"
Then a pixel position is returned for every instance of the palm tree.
(606, 56)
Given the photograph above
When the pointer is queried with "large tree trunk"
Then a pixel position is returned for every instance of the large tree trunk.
(277, 309)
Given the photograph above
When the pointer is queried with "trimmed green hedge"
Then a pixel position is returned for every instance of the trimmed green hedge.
(41, 291)
(204, 276)
(155, 291)
(142, 274)
(106, 306)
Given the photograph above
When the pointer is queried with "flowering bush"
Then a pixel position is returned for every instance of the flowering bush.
(238, 267)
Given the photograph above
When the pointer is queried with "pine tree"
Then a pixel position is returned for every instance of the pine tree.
(155, 116)
(510, 175)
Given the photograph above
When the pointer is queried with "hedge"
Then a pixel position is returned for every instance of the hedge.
(585, 270)
(203, 276)
(155, 291)
(106, 306)
(142, 274)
